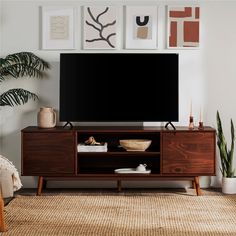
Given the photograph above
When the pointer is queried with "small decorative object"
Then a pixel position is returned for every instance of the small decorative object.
(191, 123)
(46, 117)
(135, 144)
(91, 141)
(183, 27)
(141, 167)
(227, 158)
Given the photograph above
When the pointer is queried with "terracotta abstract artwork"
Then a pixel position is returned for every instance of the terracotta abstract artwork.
(183, 27)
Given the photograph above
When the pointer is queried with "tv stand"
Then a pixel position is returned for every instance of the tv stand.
(170, 123)
(68, 123)
(180, 154)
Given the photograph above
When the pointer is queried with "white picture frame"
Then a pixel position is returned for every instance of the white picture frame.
(57, 28)
(100, 27)
(141, 27)
(183, 27)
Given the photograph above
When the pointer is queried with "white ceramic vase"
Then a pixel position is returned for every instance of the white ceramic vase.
(46, 117)
(229, 185)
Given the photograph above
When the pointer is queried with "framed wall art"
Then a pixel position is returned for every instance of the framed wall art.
(141, 27)
(100, 27)
(183, 27)
(57, 28)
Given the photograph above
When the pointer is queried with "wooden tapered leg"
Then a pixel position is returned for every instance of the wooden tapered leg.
(3, 226)
(198, 190)
(119, 185)
(194, 184)
(40, 185)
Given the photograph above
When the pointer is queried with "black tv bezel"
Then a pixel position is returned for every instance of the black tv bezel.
(117, 121)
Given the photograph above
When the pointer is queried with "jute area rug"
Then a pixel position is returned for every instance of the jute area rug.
(121, 215)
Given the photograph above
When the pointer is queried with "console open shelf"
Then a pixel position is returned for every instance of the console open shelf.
(173, 154)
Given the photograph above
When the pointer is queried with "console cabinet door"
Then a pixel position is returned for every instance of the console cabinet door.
(48, 153)
(188, 153)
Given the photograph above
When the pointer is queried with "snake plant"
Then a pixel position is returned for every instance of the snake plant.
(226, 155)
(18, 65)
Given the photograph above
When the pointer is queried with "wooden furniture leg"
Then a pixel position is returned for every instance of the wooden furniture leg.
(198, 190)
(40, 185)
(194, 184)
(3, 226)
(119, 185)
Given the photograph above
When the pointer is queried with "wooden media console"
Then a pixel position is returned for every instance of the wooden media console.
(181, 154)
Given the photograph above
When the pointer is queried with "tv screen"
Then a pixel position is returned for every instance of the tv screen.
(118, 87)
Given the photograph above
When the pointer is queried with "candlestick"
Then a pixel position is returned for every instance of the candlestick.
(200, 126)
(191, 108)
(200, 115)
(191, 124)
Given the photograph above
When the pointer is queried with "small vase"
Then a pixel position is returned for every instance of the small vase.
(229, 185)
(46, 117)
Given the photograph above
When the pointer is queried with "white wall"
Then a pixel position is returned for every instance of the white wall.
(206, 74)
(220, 64)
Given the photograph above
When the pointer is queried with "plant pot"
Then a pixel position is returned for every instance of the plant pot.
(229, 185)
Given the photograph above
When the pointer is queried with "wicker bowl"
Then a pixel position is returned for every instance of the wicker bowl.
(135, 144)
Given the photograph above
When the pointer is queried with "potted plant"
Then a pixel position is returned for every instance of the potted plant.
(227, 157)
(18, 65)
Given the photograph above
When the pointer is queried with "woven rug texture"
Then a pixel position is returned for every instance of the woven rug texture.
(121, 215)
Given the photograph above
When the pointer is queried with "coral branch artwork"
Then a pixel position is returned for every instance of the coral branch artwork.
(141, 27)
(99, 27)
(183, 27)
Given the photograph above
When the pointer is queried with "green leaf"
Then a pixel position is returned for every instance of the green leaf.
(18, 65)
(22, 64)
(226, 155)
(17, 96)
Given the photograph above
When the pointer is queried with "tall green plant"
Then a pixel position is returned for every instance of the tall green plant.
(226, 155)
(18, 65)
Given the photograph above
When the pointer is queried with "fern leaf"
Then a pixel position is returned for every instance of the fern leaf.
(16, 96)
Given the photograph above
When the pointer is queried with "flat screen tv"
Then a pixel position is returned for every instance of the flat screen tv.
(119, 87)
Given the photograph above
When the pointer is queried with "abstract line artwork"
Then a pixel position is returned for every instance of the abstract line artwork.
(141, 27)
(99, 27)
(183, 27)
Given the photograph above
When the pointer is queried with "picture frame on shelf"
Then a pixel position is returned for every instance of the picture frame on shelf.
(100, 31)
(57, 28)
(141, 27)
(183, 27)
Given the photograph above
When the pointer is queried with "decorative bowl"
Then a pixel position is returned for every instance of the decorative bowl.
(135, 144)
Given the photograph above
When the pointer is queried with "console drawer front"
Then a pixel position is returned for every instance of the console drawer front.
(190, 153)
(48, 153)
